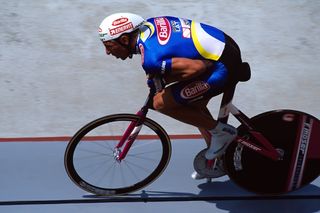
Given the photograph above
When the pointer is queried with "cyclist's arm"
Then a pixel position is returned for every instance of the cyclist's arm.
(185, 68)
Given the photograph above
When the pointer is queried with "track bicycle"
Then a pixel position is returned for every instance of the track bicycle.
(274, 153)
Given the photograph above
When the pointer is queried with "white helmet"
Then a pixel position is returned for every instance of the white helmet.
(115, 25)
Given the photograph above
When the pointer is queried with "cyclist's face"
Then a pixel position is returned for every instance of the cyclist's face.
(116, 49)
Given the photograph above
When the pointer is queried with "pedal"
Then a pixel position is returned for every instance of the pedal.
(208, 168)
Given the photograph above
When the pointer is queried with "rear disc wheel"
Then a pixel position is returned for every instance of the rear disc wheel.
(295, 135)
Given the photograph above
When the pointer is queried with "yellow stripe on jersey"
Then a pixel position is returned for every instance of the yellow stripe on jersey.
(147, 30)
(207, 46)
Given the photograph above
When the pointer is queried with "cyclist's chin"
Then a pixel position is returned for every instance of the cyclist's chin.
(123, 57)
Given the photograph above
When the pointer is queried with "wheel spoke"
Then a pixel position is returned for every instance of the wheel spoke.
(90, 157)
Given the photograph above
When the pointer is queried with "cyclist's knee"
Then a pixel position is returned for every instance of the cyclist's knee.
(163, 102)
(158, 104)
(163, 108)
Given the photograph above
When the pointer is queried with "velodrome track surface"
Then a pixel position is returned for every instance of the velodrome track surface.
(55, 77)
(33, 179)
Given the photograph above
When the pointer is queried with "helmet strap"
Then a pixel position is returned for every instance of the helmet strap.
(133, 37)
(127, 46)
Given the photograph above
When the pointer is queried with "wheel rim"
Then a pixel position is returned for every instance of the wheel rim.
(91, 165)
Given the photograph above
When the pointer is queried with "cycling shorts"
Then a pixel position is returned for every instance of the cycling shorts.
(203, 87)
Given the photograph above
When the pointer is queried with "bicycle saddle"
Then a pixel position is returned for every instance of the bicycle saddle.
(244, 72)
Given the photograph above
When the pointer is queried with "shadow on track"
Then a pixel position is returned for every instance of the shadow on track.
(305, 200)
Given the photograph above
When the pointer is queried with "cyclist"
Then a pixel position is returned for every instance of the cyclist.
(193, 61)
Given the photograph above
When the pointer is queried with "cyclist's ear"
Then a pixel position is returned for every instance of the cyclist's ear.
(124, 39)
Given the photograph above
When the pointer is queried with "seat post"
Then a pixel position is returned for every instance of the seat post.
(243, 74)
(226, 99)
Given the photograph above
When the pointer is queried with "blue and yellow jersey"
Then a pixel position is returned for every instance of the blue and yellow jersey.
(162, 38)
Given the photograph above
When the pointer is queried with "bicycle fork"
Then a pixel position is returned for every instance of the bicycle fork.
(129, 137)
(133, 130)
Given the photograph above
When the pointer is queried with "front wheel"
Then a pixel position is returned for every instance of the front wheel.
(90, 162)
(295, 135)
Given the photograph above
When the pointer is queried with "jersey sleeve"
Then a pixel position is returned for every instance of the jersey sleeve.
(154, 66)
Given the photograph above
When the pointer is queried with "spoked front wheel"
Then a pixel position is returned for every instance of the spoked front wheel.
(296, 137)
(90, 156)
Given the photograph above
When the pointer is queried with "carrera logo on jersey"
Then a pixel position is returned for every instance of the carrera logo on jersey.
(120, 29)
(163, 30)
(119, 21)
(194, 89)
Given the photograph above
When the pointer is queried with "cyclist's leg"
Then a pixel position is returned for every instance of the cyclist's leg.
(206, 135)
(199, 106)
(196, 115)
(186, 101)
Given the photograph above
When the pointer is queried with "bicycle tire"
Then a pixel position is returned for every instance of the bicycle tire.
(287, 131)
(84, 141)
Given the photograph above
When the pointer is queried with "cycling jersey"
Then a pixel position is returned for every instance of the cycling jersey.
(162, 38)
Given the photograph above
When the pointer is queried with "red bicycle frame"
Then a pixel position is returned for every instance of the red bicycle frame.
(132, 130)
(266, 149)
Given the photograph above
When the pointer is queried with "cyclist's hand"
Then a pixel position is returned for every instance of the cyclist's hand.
(151, 85)
(156, 83)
